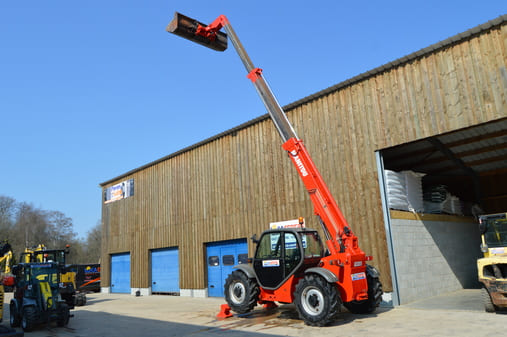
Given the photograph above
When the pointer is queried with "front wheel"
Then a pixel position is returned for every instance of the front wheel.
(486, 299)
(29, 318)
(317, 301)
(63, 315)
(241, 292)
(14, 320)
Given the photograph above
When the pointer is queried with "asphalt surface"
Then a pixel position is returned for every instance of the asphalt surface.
(456, 314)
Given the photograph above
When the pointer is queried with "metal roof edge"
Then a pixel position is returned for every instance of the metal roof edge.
(390, 65)
(189, 148)
(403, 60)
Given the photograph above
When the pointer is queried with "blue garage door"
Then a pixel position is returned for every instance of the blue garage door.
(221, 258)
(165, 271)
(120, 273)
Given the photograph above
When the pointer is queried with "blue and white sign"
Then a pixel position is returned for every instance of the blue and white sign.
(119, 191)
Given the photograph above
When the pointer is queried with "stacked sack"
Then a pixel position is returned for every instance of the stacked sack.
(437, 199)
(404, 190)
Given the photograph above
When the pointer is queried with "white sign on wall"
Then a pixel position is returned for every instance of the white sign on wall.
(119, 191)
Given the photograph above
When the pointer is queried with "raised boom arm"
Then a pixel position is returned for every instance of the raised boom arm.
(339, 236)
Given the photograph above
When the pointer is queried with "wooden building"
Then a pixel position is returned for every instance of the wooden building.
(441, 111)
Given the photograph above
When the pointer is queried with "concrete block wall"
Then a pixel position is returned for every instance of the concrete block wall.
(434, 257)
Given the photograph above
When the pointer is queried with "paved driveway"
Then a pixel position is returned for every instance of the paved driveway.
(125, 315)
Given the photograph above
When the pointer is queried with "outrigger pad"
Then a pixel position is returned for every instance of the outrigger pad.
(186, 27)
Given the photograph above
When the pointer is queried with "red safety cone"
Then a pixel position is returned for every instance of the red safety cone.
(225, 312)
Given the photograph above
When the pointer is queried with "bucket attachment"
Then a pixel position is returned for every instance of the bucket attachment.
(188, 28)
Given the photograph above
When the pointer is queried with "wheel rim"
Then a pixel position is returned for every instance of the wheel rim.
(312, 301)
(237, 292)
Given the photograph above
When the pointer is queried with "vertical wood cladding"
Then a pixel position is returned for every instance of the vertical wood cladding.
(233, 186)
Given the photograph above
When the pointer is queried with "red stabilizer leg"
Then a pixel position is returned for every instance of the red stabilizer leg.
(225, 311)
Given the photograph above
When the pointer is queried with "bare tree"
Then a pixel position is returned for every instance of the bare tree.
(61, 230)
(25, 226)
(93, 244)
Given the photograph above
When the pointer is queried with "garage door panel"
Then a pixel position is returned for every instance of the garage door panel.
(120, 273)
(214, 272)
(165, 271)
(221, 258)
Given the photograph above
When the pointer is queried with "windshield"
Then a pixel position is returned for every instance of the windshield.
(50, 256)
(45, 273)
(312, 245)
(496, 233)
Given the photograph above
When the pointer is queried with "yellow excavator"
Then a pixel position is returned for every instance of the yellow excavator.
(5, 260)
(5, 266)
(492, 268)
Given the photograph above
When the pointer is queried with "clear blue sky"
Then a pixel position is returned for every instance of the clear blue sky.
(92, 89)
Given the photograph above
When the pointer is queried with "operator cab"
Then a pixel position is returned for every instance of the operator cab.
(493, 228)
(32, 276)
(281, 253)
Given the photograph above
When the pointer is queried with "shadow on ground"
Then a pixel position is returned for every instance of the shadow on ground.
(89, 323)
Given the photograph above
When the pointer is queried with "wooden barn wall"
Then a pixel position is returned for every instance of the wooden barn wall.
(234, 186)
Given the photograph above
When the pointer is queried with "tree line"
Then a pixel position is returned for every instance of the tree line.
(25, 226)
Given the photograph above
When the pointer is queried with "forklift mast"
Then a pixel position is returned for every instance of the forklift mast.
(340, 240)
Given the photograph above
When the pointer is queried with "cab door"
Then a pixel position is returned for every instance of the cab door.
(277, 257)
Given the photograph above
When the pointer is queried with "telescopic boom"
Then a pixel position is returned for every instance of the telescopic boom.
(339, 237)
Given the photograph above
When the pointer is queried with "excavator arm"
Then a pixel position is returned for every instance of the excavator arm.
(5, 257)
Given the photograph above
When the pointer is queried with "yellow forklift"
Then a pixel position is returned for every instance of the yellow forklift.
(492, 268)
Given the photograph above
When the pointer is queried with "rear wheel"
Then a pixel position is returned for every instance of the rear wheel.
(317, 301)
(29, 318)
(80, 299)
(374, 295)
(241, 292)
(486, 299)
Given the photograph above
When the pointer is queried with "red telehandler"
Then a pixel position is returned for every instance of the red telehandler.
(291, 265)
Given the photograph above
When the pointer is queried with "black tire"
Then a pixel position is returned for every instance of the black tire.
(14, 318)
(486, 299)
(375, 292)
(80, 300)
(29, 319)
(317, 301)
(63, 315)
(241, 292)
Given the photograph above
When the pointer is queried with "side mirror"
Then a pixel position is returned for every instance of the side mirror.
(254, 239)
